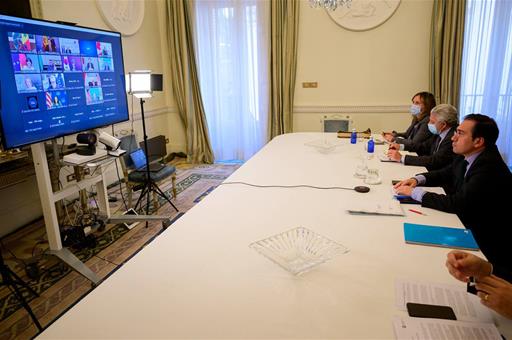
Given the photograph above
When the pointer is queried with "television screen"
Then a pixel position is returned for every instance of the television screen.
(57, 80)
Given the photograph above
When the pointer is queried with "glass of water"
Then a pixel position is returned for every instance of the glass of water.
(361, 168)
(372, 177)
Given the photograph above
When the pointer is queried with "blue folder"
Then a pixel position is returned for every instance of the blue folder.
(439, 236)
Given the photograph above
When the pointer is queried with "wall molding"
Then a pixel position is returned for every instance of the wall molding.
(315, 109)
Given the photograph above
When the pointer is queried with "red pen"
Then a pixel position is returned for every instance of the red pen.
(417, 212)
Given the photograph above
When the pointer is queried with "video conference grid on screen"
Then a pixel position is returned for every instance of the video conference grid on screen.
(63, 80)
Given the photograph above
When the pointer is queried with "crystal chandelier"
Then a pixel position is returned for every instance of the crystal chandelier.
(331, 5)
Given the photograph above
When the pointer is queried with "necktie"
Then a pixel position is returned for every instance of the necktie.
(437, 143)
(460, 176)
(464, 167)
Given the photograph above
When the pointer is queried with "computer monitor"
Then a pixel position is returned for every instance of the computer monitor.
(58, 80)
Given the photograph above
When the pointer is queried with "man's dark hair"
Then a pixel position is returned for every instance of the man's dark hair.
(485, 127)
(428, 100)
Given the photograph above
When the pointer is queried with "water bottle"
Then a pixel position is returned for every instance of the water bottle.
(353, 137)
(371, 146)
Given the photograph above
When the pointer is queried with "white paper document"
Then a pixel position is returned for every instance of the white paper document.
(385, 158)
(423, 328)
(467, 307)
(390, 207)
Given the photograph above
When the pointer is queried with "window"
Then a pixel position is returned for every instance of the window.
(232, 57)
(486, 85)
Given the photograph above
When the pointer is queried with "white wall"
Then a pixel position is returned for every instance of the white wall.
(369, 75)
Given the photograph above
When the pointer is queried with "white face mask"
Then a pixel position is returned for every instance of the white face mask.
(432, 128)
(415, 109)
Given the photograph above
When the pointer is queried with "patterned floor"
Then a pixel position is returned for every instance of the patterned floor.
(59, 287)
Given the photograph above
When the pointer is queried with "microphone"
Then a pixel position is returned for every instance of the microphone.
(362, 188)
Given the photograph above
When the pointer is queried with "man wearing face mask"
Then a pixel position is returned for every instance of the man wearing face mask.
(422, 104)
(479, 184)
(433, 153)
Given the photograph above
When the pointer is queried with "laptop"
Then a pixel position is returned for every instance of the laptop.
(138, 158)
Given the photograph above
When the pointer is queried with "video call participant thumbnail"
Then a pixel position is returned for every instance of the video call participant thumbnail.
(28, 82)
(71, 64)
(47, 44)
(92, 80)
(103, 49)
(56, 99)
(50, 63)
(25, 62)
(93, 95)
(106, 64)
(21, 42)
(69, 46)
(53, 81)
(89, 64)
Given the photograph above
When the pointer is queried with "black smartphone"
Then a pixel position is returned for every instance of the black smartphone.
(471, 286)
(407, 200)
(395, 181)
(420, 310)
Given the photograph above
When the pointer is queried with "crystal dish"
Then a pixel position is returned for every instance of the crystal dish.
(323, 145)
(298, 250)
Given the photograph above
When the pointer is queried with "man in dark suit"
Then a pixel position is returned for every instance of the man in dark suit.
(480, 183)
(433, 153)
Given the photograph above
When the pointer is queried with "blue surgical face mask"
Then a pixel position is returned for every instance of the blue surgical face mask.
(432, 128)
(415, 109)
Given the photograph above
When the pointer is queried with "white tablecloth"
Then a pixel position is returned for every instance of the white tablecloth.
(200, 279)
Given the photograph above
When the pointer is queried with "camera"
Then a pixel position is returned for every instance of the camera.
(111, 142)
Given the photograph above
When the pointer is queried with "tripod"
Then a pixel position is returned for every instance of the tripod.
(149, 185)
(14, 283)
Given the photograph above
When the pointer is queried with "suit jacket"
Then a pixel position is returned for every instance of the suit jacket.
(416, 133)
(480, 200)
(428, 156)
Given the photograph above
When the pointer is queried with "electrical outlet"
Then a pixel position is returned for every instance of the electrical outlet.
(167, 141)
(310, 85)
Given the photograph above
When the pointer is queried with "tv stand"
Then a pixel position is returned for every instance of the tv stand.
(48, 200)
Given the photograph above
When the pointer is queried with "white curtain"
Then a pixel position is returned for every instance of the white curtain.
(232, 52)
(486, 85)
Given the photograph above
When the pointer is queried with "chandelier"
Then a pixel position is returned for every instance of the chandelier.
(331, 5)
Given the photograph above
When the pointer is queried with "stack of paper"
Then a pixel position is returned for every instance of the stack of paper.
(472, 317)
(419, 329)
(467, 307)
(390, 208)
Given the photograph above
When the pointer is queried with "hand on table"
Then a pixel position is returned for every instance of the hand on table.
(496, 294)
(388, 136)
(409, 182)
(394, 155)
(405, 187)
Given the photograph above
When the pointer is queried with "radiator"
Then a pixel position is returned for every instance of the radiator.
(335, 123)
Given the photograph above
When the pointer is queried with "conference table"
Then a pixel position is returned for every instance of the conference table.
(200, 278)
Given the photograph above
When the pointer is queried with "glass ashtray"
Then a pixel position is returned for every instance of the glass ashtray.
(298, 250)
(323, 145)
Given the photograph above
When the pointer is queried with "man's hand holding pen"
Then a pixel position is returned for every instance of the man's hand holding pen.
(394, 146)
(393, 152)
